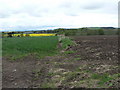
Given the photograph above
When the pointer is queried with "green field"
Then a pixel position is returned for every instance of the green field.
(0, 47)
(19, 47)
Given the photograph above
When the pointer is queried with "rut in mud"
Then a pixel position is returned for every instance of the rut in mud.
(91, 63)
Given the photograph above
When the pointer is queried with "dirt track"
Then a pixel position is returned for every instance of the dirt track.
(92, 54)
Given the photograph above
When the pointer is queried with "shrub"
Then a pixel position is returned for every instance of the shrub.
(101, 32)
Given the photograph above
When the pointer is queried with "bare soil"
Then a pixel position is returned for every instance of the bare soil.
(91, 56)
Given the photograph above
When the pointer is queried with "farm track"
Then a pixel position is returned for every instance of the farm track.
(92, 55)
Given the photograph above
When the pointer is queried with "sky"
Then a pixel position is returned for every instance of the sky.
(51, 14)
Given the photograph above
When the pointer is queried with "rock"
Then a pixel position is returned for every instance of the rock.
(15, 84)
(14, 70)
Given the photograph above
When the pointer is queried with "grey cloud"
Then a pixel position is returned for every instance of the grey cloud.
(74, 8)
(69, 8)
(39, 12)
(4, 15)
(92, 7)
(32, 10)
(29, 27)
(66, 5)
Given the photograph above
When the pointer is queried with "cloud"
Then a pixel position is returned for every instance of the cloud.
(44, 14)
(93, 6)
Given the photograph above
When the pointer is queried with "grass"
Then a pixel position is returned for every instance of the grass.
(78, 55)
(51, 74)
(70, 77)
(66, 42)
(18, 47)
(69, 52)
(104, 78)
(77, 59)
(48, 85)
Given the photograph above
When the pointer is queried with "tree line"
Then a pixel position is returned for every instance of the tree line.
(71, 32)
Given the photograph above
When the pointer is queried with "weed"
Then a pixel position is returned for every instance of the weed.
(48, 85)
(78, 70)
(78, 55)
(88, 71)
(96, 76)
(116, 75)
(77, 59)
(37, 73)
(102, 78)
(110, 84)
(51, 74)
(70, 76)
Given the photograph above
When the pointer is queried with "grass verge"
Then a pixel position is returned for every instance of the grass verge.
(67, 42)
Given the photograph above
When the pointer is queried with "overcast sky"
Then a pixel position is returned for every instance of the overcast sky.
(49, 14)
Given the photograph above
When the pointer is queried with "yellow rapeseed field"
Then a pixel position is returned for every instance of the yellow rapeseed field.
(33, 35)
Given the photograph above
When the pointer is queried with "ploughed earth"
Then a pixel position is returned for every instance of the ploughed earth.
(91, 63)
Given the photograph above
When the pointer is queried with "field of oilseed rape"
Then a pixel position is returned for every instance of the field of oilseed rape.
(19, 47)
(32, 35)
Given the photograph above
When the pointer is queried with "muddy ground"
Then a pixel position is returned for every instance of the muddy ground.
(91, 63)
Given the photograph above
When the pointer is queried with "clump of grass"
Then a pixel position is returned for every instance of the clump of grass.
(70, 76)
(78, 55)
(66, 42)
(77, 59)
(51, 74)
(69, 52)
(103, 78)
(116, 75)
(15, 57)
(48, 85)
